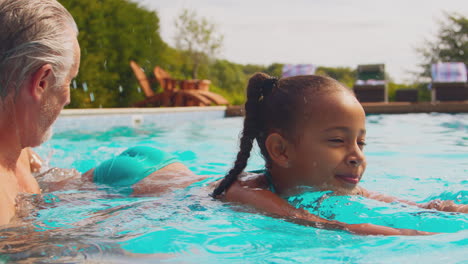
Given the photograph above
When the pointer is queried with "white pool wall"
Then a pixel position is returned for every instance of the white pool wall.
(105, 118)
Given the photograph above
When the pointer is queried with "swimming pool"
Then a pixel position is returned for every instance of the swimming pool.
(412, 156)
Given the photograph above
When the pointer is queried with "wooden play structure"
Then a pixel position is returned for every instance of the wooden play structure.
(174, 92)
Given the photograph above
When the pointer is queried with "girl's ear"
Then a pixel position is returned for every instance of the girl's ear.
(279, 149)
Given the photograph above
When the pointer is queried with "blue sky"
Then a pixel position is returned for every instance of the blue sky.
(327, 33)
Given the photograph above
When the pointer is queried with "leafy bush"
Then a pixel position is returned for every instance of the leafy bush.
(113, 32)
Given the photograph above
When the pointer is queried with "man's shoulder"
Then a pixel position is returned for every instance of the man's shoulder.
(7, 207)
(26, 181)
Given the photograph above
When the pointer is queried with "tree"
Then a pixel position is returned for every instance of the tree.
(345, 75)
(113, 32)
(197, 38)
(450, 43)
(275, 69)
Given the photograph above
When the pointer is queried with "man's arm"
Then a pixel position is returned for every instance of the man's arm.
(270, 203)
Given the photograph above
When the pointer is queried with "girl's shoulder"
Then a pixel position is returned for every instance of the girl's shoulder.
(253, 179)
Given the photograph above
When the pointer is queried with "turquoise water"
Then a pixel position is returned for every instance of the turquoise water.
(417, 157)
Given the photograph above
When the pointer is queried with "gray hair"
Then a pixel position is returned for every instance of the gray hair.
(34, 33)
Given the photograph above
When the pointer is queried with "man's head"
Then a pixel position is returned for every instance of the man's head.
(39, 57)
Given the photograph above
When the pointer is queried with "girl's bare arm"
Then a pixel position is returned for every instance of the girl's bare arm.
(270, 203)
(447, 206)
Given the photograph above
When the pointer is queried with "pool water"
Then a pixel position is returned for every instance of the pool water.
(418, 157)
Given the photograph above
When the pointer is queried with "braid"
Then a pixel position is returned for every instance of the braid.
(260, 85)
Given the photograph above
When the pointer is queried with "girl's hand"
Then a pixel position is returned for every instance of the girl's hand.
(447, 206)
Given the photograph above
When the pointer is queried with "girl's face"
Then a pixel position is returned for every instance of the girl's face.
(329, 155)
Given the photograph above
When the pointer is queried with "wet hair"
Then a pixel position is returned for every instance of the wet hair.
(275, 105)
(34, 33)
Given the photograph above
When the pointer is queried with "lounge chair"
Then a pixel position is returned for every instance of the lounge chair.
(406, 95)
(168, 96)
(290, 70)
(172, 95)
(371, 85)
(199, 89)
(449, 82)
(145, 84)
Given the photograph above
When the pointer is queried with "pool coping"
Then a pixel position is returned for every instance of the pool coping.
(233, 111)
(120, 111)
(392, 108)
(452, 107)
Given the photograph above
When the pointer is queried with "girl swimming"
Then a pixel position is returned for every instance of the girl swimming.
(311, 132)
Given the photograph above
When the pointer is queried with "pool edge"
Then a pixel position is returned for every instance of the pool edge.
(391, 108)
(233, 111)
(118, 111)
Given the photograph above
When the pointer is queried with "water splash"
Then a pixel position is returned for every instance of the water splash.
(85, 86)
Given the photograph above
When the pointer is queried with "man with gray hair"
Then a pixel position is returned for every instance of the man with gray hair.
(39, 57)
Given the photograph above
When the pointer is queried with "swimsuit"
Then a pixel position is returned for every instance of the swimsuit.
(136, 163)
(270, 181)
(132, 166)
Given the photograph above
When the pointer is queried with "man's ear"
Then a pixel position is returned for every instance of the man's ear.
(279, 149)
(40, 81)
